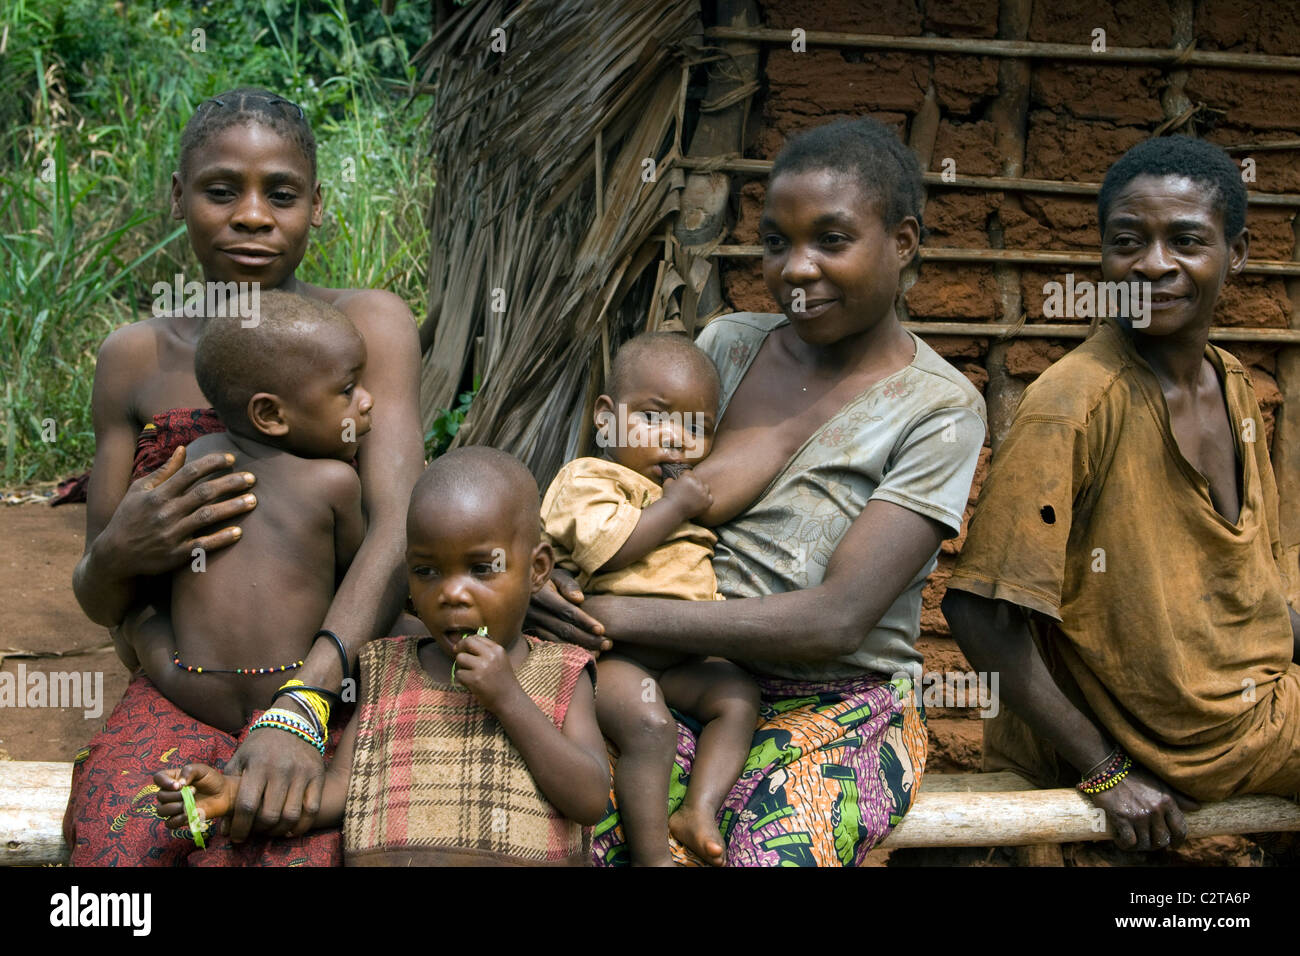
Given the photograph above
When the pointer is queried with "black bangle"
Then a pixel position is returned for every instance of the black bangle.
(343, 652)
(303, 687)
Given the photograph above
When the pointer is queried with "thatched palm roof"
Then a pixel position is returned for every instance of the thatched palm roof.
(515, 138)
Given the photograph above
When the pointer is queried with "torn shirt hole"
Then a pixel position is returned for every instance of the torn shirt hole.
(1047, 514)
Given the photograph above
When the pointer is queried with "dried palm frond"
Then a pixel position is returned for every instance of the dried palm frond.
(527, 254)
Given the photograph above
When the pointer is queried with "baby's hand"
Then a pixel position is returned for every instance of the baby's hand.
(484, 669)
(688, 493)
(214, 793)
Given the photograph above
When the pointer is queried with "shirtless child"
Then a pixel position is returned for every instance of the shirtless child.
(613, 524)
(286, 388)
(470, 747)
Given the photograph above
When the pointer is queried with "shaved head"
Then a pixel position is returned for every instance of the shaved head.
(654, 351)
(234, 362)
(477, 479)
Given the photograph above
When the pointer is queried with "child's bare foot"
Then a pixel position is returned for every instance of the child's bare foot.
(696, 830)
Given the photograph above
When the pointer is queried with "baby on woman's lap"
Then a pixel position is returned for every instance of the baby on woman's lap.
(286, 389)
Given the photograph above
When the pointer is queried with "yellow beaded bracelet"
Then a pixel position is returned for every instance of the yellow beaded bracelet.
(316, 701)
(1110, 781)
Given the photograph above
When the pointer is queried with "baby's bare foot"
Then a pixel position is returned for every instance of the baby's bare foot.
(696, 830)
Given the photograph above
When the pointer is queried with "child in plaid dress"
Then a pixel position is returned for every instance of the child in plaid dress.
(467, 747)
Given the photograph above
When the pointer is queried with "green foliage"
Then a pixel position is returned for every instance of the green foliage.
(448, 422)
(57, 282)
(99, 93)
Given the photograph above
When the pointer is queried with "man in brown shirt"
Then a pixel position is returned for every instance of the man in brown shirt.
(1132, 512)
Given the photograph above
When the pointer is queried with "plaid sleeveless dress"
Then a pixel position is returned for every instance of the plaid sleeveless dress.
(435, 779)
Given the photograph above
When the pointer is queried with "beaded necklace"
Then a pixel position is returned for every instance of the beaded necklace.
(246, 671)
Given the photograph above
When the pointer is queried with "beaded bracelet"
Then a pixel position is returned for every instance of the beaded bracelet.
(1100, 774)
(310, 700)
(304, 695)
(1095, 786)
(285, 720)
(286, 723)
(1102, 764)
(309, 704)
(280, 715)
(327, 694)
(301, 734)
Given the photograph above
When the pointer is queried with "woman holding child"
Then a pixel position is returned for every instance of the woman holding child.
(843, 457)
(248, 192)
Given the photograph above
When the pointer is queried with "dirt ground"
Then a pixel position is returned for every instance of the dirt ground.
(42, 628)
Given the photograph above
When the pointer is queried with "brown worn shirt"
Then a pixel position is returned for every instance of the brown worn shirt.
(591, 509)
(1170, 626)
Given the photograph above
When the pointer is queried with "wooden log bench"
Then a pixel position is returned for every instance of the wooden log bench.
(965, 809)
(1004, 809)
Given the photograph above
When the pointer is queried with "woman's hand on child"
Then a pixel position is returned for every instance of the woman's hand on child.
(156, 524)
(214, 793)
(483, 667)
(688, 493)
(554, 615)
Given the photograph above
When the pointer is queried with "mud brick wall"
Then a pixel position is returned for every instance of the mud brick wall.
(1078, 119)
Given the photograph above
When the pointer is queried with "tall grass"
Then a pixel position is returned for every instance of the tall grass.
(95, 97)
(57, 300)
